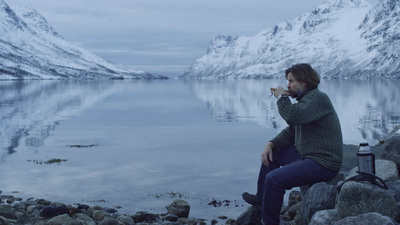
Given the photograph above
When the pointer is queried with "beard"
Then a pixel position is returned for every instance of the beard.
(295, 93)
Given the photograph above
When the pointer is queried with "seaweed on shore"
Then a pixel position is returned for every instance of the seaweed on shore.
(82, 146)
(50, 161)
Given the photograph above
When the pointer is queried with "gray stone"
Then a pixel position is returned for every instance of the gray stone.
(73, 222)
(292, 211)
(320, 196)
(357, 198)
(98, 215)
(192, 221)
(325, 217)
(251, 216)
(294, 197)
(179, 207)
(85, 219)
(126, 220)
(390, 150)
(171, 217)
(59, 220)
(3, 220)
(395, 186)
(385, 169)
(367, 218)
(7, 211)
(109, 221)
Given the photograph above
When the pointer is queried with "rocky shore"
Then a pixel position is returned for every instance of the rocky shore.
(356, 202)
(15, 211)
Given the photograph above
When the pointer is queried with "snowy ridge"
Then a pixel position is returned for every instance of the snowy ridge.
(31, 49)
(341, 39)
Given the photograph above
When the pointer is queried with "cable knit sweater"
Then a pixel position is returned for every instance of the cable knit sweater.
(314, 128)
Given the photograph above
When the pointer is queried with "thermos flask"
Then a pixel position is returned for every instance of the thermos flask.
(366, 159)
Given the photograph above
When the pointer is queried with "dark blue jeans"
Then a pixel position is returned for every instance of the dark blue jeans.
(288, 170)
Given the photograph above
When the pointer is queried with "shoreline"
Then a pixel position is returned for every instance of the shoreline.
(16, 210)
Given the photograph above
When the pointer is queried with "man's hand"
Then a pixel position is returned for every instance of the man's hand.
(266, 154)
(279, 90)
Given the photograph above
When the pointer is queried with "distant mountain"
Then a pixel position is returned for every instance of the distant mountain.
(341, 39)
(31, 49)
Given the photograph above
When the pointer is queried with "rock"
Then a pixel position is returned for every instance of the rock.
(72, 222)
(357, 198)
(385, 169)
(367, 218)
(251, 216)
(179, 207)
(294, 198)
(3, 220)
(60, 220)
(109, 221)
(126, 220)
(231, 222)
(320, 196)
(84, 219)
(141, 217)
(292, 211)
(52, 211)
(171, 217)
(110, 210)
(390, 150)
(395, 186)
(190, 221)
(98, 215)
(325, 217)
(7, 211)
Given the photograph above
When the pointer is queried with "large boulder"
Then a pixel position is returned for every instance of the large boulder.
(325, 217)
(390, 150)
(367, 218)
(320, 196)
(357, 198)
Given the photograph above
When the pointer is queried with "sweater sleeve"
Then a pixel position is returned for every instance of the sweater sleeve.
(284, 138)
(307, 110)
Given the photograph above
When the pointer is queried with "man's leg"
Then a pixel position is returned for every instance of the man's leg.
(281, 158)
(277, 181)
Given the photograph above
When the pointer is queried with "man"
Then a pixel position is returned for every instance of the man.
(308, 151)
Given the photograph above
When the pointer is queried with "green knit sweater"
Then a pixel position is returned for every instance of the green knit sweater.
(314, 128)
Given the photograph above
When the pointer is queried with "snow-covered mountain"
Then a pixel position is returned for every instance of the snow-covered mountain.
(341, 39)
(31, 49)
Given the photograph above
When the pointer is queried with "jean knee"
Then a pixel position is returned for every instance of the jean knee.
(272, 181)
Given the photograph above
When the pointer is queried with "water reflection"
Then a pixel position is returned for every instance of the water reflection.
(367, 109)
(30, 110)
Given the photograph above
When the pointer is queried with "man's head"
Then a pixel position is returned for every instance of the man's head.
(300, 78)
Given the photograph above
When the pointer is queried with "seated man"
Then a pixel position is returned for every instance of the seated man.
(308, 151)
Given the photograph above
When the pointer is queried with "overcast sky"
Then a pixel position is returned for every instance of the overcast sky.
(160, 36)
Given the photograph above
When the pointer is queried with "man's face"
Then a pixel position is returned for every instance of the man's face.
(295, 87)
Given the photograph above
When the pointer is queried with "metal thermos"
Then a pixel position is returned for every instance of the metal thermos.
(366, 159)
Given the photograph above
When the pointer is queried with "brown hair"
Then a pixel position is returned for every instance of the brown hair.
(305, 73)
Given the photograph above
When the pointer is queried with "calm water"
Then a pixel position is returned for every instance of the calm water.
(154, 140)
